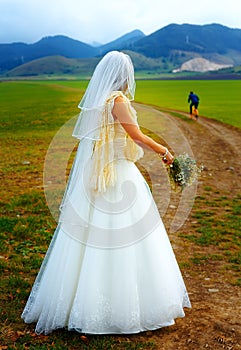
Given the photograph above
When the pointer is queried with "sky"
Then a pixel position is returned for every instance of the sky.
(102, 21)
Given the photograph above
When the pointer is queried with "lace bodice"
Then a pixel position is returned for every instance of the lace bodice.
(113, 144)
(119, 141)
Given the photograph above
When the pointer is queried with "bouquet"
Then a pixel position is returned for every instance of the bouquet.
(183, 171)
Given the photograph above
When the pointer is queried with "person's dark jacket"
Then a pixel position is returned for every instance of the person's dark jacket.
(193, 98)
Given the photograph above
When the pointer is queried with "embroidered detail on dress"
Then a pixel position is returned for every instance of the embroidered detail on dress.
(103, 157)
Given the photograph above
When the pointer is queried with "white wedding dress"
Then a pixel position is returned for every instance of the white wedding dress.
(116, 273)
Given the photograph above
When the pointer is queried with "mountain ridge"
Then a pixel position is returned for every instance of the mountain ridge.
(15, 54)
(164, 50)
(188, 37)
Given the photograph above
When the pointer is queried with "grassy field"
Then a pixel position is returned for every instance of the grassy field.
(30, 115)
(219, 99)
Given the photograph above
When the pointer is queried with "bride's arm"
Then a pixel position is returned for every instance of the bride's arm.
(121, 112)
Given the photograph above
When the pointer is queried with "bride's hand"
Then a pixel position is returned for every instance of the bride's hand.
(168, 159)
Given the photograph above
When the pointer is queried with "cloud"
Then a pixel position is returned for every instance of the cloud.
(103, 21)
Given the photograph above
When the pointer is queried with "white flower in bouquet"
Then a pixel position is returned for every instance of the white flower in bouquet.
(183, 171)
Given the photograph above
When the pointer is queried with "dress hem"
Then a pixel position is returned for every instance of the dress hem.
(140, 330)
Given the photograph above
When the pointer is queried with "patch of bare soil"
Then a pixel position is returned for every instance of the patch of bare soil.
(214, 320)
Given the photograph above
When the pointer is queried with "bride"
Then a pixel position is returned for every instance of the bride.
(110, 267)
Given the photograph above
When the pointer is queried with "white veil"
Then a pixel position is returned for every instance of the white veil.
(114, 72)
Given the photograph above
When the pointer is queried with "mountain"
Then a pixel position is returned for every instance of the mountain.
(200, 39)
(84, 67)
(124, 41)
(15, 54)
(163, 51)
(12, 55)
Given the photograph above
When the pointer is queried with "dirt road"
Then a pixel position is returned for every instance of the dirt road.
(214, 320)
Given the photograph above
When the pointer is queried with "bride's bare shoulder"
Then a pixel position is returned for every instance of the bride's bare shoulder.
(119, 99)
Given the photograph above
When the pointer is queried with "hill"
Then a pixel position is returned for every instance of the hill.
(16, 54)
(126, 40)
(55, 65)
(196, 39)
(161, 52)
(58, 65)
(12, 55)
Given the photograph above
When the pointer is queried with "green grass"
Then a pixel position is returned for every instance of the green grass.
(218, 226)
(31, 113)
(219, 99)
(27, 106)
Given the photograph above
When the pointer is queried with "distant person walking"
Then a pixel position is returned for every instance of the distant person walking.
(193, 99)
